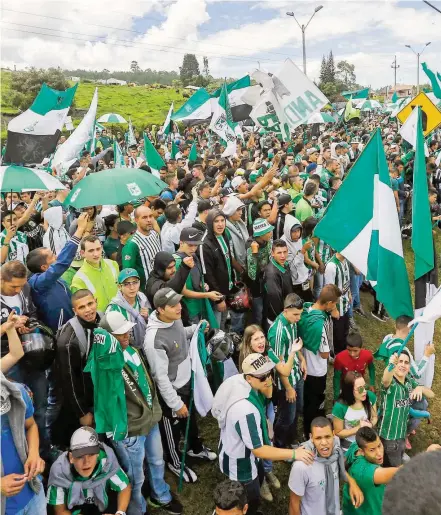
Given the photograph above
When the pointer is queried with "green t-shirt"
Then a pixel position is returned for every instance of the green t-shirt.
(395, 406)
(111, 245)
(363, 472)
(194, 306)
(394, 184)
(303, 210)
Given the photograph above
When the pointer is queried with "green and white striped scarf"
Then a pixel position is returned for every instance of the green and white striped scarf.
(224, 248)
(136, 366)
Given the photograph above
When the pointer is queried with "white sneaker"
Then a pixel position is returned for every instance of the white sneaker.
(189, 475)
(206, 454)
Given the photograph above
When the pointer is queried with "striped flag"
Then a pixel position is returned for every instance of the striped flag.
(131, 140)
(222, 123)
(34, 134)
(167, 127)
(426, 273)
(174, 150)
(362, 223)
(118, 156)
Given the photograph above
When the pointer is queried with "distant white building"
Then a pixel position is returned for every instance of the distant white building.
(75, 79)
(114, 82)
(194, 88)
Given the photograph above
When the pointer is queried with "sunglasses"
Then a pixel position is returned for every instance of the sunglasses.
(296, 306)
(262, 379)
(361, 389)
(129, 284)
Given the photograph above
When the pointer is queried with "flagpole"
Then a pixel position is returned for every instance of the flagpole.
(406, 340)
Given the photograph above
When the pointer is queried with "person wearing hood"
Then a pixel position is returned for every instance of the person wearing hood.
(315, 489)
(56, 235)
(164, 274)
(132, 304)
(217, 258)
(277, 282)
(233, 210)
(286, 206)
(22, 491)
(300, 275)
(50, 294)
(258, 256)
(167, 347)
(364, 460)
(239, 406)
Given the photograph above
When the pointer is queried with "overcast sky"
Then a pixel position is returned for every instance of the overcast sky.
(233, 35)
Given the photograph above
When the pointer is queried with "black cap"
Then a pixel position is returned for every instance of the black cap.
(191, 236)
(283, 199)
(124, 227)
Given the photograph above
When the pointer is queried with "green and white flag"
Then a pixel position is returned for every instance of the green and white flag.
(174, 150)
(362, 223)
(131, 140)
(196, 110)
(222, 123)
(394, 97)
(167, 127)
(152, 157)
(193, 155)
(33, 135)
(118, 156)
(75, 143)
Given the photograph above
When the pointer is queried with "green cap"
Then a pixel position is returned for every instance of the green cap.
(261, 227)
(126, 273)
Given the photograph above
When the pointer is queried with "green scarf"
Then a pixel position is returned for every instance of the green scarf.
(258, 401)
(225, 249)
(310, 327)
(136, 366)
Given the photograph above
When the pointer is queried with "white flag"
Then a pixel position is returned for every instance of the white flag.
(222, 123)
(409, 131)
(131, 140)
(80, 136)
(167, 124)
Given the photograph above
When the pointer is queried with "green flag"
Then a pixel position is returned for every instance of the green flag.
(193, 153)
(350, 112)
(422, 239)
(152, 157)
(362, 223)
(166, 128)
(174, 150)
(222, 122)
(394, 97)
(435, 80)
(118, 157)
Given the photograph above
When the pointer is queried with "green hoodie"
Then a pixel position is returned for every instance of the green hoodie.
(310, 327)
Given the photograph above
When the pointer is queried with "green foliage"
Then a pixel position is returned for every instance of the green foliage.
(346, 74)
(25, 85)
(189, 70)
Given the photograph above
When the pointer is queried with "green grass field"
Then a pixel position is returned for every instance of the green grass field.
(197, 498)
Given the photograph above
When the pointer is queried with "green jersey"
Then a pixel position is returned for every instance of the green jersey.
(390, 345)
(325, 177)
(395, 406)
(281, 337)
(363, 472)
(195, 307)
(57, 495)
(17, 248)
(324, 251)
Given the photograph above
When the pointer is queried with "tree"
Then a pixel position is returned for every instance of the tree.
(331, 68)
(189, 69)
(206, 69)
(331, 90)
(134, 67)
(25, 85)
(346, 74)
(323, 71)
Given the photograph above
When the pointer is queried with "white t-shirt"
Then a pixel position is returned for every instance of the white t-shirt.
(316, 365)
(14, 302)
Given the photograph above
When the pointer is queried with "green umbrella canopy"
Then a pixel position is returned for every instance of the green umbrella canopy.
(20, 178)
(115, 186)
(111, 118)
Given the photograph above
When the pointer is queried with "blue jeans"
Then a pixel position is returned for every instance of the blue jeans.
(35, 506)
(237, 321)
(285, 426)
(37, 382)
(131, 453)
(268, 464)
(356, 282)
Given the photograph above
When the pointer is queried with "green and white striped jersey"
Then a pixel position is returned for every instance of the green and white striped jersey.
(118, 482)
(324, 251)
(18, 246)
(281, 337)
(395, 406)
(337, 272)
(241, 434)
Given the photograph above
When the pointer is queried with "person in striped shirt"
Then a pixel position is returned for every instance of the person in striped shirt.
(283, 340)
(139, 252)
(398, 391)
(86, 478)
(337, 272)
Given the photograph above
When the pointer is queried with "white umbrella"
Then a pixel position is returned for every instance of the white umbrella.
(20, 178)
(111, 118)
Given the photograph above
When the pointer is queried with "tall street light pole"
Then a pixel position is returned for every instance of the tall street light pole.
(418, 54)
(303, 29)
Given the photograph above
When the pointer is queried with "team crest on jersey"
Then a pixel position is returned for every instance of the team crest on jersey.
(99, 338)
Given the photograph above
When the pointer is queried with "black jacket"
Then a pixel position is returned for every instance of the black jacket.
(156, 279)
(278, 285)
(200, 226)
(29, 310)
(213, 259)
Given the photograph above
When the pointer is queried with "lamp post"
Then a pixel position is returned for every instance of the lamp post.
(303, 29)
(418, 54)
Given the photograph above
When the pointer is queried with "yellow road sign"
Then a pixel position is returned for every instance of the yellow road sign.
(430, 114)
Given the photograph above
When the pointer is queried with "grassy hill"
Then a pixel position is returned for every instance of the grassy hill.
(145, 105)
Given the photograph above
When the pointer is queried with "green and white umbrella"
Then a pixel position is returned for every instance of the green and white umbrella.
(115, 186)
(111, 118)
(20, 178)
(321, 117)
(368, 105)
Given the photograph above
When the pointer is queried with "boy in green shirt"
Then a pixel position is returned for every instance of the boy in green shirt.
(365, 460)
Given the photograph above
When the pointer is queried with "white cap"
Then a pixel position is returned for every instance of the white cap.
(237, 181)
(115, 323)
(232, 204)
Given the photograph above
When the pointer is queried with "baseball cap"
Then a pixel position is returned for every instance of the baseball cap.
(312, 150)
(261, 227)
(125, 227)
(84, 441)
(114, 323)
(191, 236)
(224, 192)
(126, 273)
(16, 204)
(166, 297)
(240, 171)
(237, 181)
(257, 365)
(283, 199)
(232, 204)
